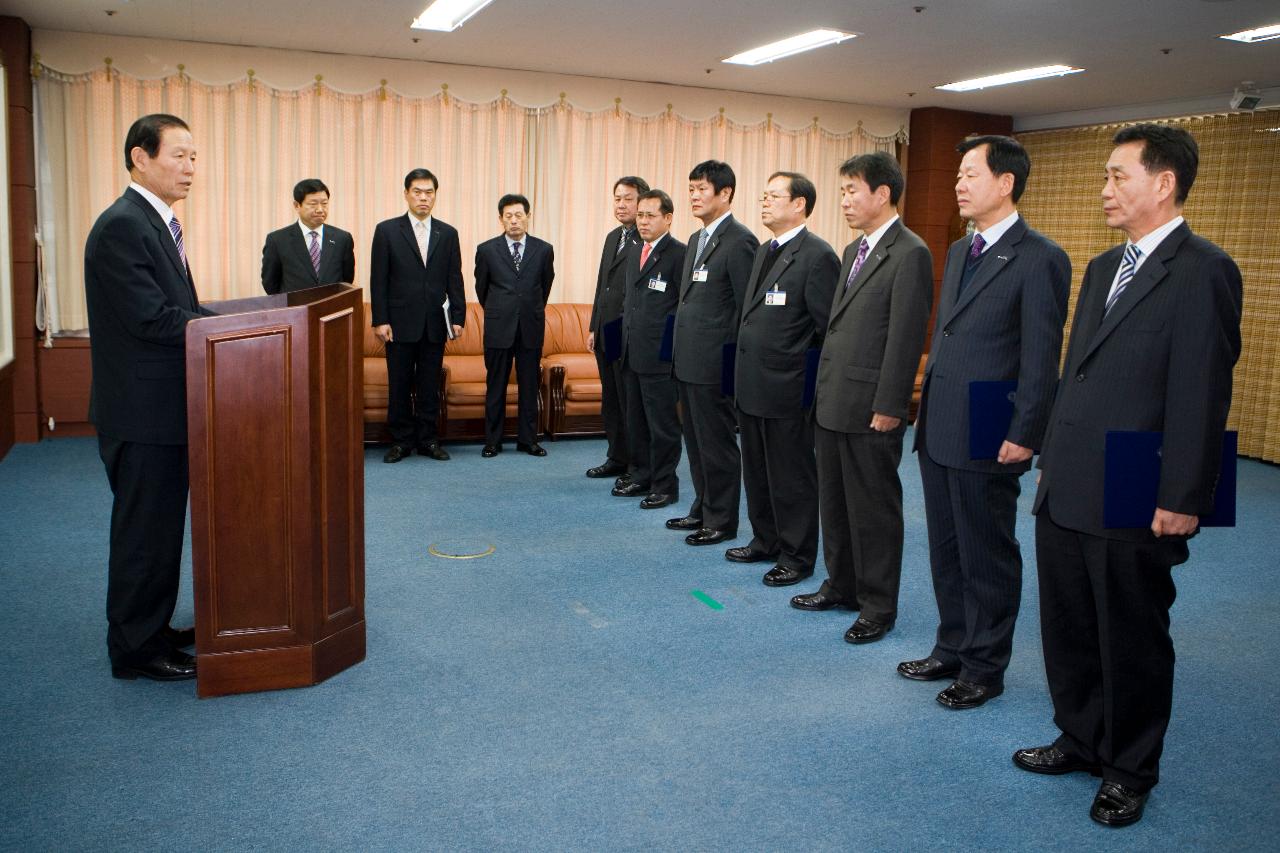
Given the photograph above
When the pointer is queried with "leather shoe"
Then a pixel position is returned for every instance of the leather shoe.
(491, 450)
(927, 669)
(657, 500)
(820, 600)
(624, 480)
(1051, 761)
(963, 695)
(708, 536)
(747, 554)
(167, 666)
(866, 631)
(785, 576)
(395, 453)
(630, 490)
(687, 522)
(534, 449)
(1116, 805)
(433, 450)
(608, 469)
(179, 638)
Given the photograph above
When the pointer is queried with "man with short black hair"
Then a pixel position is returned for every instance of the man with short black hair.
(1155, 336)
(514, 272)
(309, 252)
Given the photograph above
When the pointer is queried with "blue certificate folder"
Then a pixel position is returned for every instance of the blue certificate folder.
(668, 339)
(612, 334)
(811, 357)
(1132, 479)
(728, 361)
(990, 413)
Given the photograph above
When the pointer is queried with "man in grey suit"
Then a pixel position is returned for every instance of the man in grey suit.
(1155, 337)
(863, 394)
(783, 320)
(712, 288)
(1000, 316)
(309, 252)
(611, 287)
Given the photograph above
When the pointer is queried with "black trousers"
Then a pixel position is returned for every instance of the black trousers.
(976, 566)
(654, 430)
(709, 424)
(860, 498)
(1104, 620)
(780, 474)
(413, 391)
(613, 404)
(497, 362)
(148, 517)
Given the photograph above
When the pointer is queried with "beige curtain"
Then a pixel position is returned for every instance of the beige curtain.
(255, 142)
(1233, 203)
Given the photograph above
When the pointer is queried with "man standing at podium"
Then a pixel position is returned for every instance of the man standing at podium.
(309, 252)
(140, 296)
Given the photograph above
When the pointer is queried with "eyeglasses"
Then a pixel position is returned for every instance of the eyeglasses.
(775, 197)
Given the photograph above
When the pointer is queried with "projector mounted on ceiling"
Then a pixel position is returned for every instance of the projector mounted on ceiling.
(1246, 98)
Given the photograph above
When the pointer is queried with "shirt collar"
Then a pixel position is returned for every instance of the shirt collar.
(165, 211)
(413, 222)
(878, 234)
(783, 238)
(306, 230)
(711, 229)
(992, 235)
(1151, 241)
(523, 241)
(655, 243)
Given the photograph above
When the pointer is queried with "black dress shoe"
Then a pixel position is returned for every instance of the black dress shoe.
(491, 450)
(866, 631)
(785, 576)
(630, 490)
(747, 554)
(168, 666)
(1116, 805)
(534, 449)
(1052, 761)
(179, 638)
(687, 522)
(707, 536)
(608, 469)
(624, 480)
(396, 453)
(657, 500)
(927, 669)
(433, 450)
(963, 695)
(820, 600)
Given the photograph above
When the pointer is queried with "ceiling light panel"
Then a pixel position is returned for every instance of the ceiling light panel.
(1010, 77)
(789, 47)
(447, 15)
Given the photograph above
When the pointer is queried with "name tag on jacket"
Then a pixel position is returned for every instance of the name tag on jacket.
(775, 297)
(658, 284)
(700, 274)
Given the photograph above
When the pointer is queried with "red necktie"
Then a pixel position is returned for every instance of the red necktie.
(644, 254)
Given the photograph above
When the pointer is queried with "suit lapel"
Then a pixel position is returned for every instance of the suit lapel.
(618, 257)
(299, 244)
(165, 235)
(786, 254)
(407, 230)
(874, 259)
(997, 258)
(1150, 274)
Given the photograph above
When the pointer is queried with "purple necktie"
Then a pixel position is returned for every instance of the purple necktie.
(515, 255)
(857, 263)
(314, 249)
(975, 250)
(175, 227)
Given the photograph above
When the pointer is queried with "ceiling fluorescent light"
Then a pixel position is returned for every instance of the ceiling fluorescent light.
(1010, 77)
(447, 15)
(1251, 36)
(789, 47)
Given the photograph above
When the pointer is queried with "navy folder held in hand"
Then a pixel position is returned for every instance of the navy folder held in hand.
(612, 343)
(668, 339)
(811, 357)
(990, 413)
(1132, 480)
(728, 361)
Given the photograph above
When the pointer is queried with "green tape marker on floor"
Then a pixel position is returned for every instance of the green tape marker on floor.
(706, 599)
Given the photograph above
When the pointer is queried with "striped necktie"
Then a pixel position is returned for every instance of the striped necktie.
(1128, 267)
(175, 228)
(314, 250)
(857, 263)
(622, 241)
(702, 244)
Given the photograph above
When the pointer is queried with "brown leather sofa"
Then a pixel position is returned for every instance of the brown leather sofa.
(570, 379)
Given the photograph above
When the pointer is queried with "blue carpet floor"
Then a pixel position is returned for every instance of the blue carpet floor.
(570, 692)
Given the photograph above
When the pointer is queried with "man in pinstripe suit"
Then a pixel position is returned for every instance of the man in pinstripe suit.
(1000, 316)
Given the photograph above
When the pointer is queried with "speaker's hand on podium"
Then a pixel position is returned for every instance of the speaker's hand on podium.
(383, 332)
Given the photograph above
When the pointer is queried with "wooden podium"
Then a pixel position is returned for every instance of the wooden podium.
(274, 401)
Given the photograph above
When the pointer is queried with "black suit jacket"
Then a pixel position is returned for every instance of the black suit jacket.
(611, 283)
(707, 317)
(408, 295)
(773, 339)
(514, 299)
(873, 343)
(647, 308)
(1006, 325)
(286, 260)
(1161, 360)
(140, 297)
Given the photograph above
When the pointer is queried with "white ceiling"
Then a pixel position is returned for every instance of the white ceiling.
(900, 51)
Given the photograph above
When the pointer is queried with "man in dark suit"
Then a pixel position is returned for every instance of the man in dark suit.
(611, 287)
(713, 286)
(783, 318)
(416, 296)
(140, 296)
(1000, 316)
(308, 253)
(1155, 336)
(865, 378)
(513, 281)
(653, 281)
